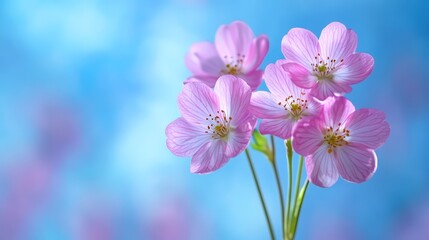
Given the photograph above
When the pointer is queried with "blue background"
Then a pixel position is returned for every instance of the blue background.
(111, 72)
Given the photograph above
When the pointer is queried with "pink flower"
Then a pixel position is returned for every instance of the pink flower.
(328, 65)
(215, 124)
(341, 141)
(236, 51)
(285, 106)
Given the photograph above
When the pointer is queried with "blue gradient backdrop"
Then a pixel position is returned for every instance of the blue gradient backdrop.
(87, 88)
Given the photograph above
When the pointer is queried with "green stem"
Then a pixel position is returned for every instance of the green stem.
(279, 186)
(289, 196)
(255, 178)
(273, 148)
(297, 211)
(298, 180)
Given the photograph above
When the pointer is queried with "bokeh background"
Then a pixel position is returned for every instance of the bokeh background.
(87, 88)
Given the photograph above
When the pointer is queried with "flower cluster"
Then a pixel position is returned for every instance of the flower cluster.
(219, 105)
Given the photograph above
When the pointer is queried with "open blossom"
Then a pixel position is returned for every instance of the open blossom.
(328, 65)
(215, 124)
(341, 141)
(236, 51)
(285, 106)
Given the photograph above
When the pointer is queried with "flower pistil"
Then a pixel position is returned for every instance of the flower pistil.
(295, 106)
(234, 65)
(219, 125)
(336, 138)
(323, 69)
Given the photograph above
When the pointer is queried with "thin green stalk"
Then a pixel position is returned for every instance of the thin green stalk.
(298, 180)
(298, 208)
(255, 178)
(273, 149)
(279, 186)
(289, 196)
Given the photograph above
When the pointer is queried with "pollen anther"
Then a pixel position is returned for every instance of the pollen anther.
(219, 125)
(336, 137)
(295, 106)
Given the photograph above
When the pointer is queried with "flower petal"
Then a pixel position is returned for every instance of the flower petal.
(336, 110)
(321, 169)
(234, 98)
(368, 127)
(328, 88)
(279, 82)
(208, 80)
(263, 105)
(256, 54)
(203, 60)
(356, 68)
(355, 162)
(281, 127)
(300, 75)
(209, 157)
(196, 102)
(233, 39)
(308, 136)
(253, 79)
(281, 62)
(301, 46)
(184, 139)
(337, 42)
(314, 107)
(239, 138)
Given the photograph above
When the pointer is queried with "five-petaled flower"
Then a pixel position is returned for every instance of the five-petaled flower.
(215, 124)
(286, 105)
(328, 65)
(235, 51)
(341, 141)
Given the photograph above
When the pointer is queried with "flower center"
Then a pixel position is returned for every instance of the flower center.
(295, 106)
(219, 125)
(336, 138)
(233, 64)
(323, 68)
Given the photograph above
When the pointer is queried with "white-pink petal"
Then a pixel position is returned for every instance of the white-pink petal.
(203, 60)
(308, 136)
(356, 68)
(321, 169)
(301, 46)
(327, 88)
(264, 105)
(256, 54)
(279, 83)
(238, 139)
(280, 127)
(314, 107)
(253, 79)
(336, 110)
(209, 157)
(300, 75)
(196, 102)
(355, 162)
(337, 42)
(184, 139)
(234, 98)
(233, 39)
(208, 80)
(368, 127)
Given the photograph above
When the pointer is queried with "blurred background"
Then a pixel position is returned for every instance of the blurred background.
(87, 88)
